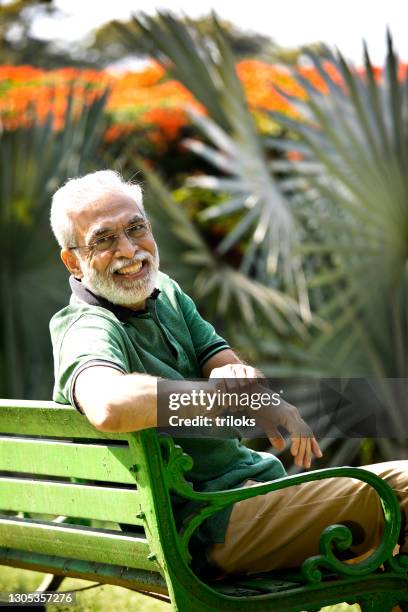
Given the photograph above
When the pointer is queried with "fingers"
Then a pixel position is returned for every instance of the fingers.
(316, 448)
(304, 444)
(299, 450)
(303, 449)
(307, 457)
(277, 442)
(275, 438)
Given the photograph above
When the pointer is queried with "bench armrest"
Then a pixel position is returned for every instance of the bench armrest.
(338, 535)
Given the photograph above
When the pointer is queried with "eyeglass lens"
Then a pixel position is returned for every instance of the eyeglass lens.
(133, 233)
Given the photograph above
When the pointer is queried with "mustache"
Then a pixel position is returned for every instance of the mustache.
(124, 262)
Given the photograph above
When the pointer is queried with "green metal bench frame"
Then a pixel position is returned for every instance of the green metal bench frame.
(40, 440)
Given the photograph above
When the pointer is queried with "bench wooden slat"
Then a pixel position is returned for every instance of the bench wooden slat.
(70, 460)
(46, 497)
(83, 543)
(48, 419)
(105, 573)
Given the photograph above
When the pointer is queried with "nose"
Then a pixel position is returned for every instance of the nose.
(124, 247)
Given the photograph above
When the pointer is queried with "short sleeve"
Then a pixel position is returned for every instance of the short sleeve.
(89, 341)
(205, 339)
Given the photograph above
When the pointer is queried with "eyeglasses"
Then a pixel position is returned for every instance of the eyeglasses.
(133, 233)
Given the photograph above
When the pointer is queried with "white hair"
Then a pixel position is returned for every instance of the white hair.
(85, 190)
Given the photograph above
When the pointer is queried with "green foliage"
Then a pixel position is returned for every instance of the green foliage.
(237, 152)
(118, 39)
(354, 143)
(330, 228)
(219, 288)
(34, 161)
(351, 180)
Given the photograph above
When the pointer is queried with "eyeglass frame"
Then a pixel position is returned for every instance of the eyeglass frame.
(115, 235)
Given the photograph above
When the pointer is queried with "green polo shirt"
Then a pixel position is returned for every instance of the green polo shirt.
(168, 339)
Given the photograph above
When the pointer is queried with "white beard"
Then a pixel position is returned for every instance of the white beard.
(131, 292)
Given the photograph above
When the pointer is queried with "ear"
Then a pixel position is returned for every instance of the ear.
(71, 262)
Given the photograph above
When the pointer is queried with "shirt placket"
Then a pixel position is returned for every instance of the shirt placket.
(173, 349)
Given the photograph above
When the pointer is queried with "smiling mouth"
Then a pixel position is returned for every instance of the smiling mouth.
(134, 268)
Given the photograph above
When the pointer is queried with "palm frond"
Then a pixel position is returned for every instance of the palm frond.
(355, 137)
(223, 293)
(235, 149)
(34, 161)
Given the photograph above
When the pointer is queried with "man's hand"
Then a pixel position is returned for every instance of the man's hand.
(238, 378)
(303, 446)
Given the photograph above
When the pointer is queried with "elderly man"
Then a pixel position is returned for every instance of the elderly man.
(128, 326)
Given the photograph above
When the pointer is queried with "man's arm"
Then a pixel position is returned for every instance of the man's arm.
(117, 402)
(220, 359)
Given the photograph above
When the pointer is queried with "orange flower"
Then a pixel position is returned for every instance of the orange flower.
(146, 100)
(169, 121)
(294, 156)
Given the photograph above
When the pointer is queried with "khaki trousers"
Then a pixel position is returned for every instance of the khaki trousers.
(282, 528)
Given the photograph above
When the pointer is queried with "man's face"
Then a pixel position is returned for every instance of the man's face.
(126, 273)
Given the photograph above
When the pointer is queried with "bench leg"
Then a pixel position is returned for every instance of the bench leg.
(50, 583)
(380, 602)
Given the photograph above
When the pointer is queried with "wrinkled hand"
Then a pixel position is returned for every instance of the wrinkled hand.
(239, 378)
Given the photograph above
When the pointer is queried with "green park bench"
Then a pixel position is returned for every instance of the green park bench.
(58, 473)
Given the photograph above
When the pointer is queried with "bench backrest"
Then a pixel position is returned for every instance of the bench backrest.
(53, 462)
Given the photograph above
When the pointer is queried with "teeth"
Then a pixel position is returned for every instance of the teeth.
(131, 269)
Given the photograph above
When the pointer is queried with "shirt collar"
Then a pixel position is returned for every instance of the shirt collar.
(80, 291)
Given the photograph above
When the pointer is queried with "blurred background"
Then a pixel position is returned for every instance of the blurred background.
(272, 146)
